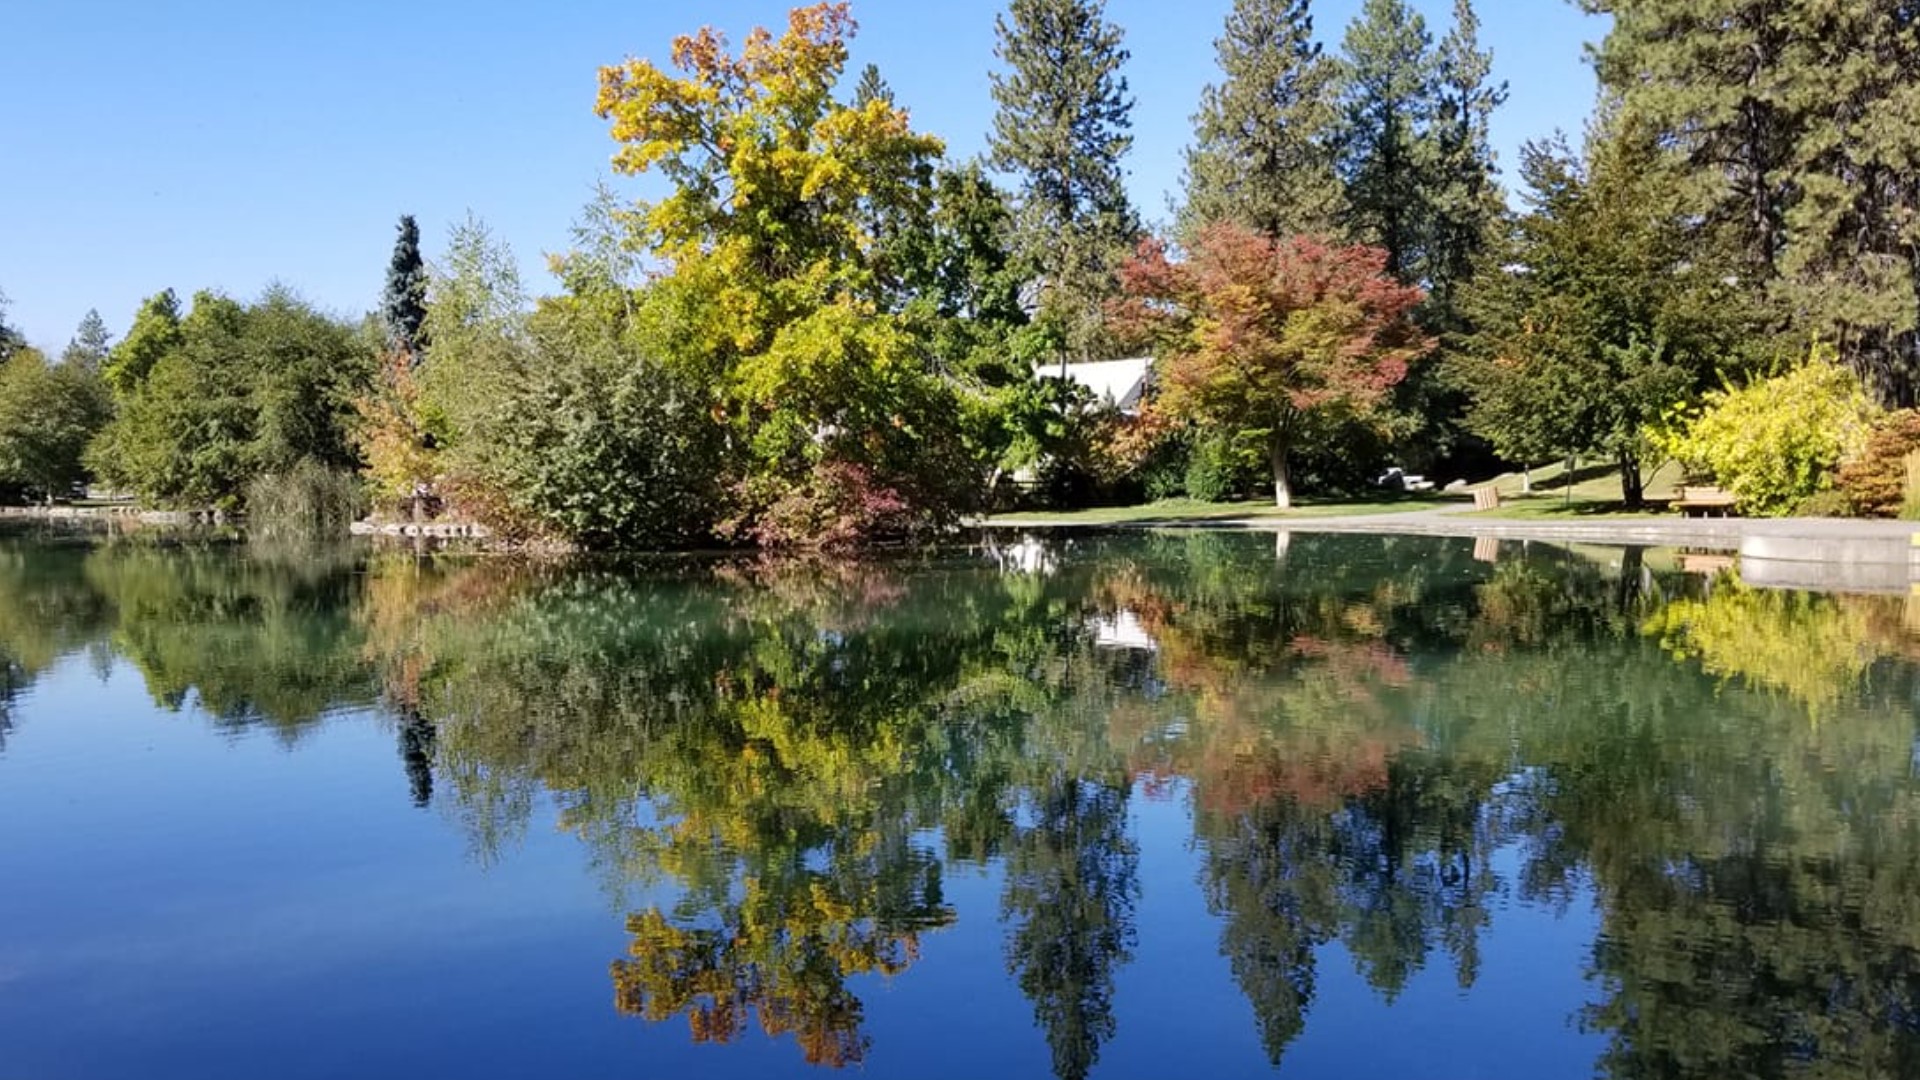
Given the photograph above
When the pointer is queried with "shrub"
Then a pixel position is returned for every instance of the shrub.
(1775, 442)
(1875, 481)
(1219, 470)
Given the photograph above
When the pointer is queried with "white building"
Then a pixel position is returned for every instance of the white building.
(1119, 383)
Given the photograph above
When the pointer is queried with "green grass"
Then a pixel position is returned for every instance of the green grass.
(1174, 511)
(1595, 493)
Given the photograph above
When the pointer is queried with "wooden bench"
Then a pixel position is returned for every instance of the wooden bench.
(1703, 500)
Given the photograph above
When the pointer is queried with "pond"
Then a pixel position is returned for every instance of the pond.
(1147, 805)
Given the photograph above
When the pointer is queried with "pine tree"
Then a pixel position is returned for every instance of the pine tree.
(1062, 129)
(1263, 154)
(90, 345)
(11, 340)
(872, 87)
(1466, 203)
(1851, 258)
(1389, 77)
(403, 307)
(1796, 132)
(1707, 73)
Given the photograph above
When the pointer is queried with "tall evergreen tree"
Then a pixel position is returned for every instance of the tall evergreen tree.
(11, 340)
(403, 306)
(1388, 80)
(90, 345)
(1466, 203)
(1851, 262)
(871, 87)
(1707, 74)
(1062, 128)
(1263, 154)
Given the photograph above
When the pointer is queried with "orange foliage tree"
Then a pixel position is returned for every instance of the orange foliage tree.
(1276, 340)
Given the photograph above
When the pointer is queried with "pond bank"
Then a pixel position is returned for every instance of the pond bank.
(1833, 553)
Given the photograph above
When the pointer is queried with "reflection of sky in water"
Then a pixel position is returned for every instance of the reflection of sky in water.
(185, 897)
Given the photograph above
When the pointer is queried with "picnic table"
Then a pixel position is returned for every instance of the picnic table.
(1704, 500)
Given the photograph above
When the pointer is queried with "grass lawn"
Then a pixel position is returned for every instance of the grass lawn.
(1595, 492)
(1172, 511)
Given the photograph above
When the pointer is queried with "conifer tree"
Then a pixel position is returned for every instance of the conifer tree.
(1465, 201)
(90, 345)
(1389, 76)
(872, 87)
(1263, 154)
(403, 306)
(11, 340)
(1061, 130)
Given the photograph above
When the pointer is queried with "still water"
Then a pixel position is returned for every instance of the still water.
(1128, 806)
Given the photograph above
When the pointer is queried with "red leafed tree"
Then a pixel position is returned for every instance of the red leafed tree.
(1279, 340)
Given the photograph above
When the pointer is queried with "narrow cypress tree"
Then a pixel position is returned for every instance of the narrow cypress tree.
(1263, 154)
(1062, 129)
(403, 306)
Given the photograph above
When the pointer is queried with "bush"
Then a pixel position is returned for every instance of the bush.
(1875, 481)
(1219, 470)
(1776, 442)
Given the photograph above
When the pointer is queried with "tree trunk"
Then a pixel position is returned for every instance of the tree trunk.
(1633, 487)
(1282, 478)
(1526, 480)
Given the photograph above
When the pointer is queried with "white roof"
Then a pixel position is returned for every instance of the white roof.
(1118, 382)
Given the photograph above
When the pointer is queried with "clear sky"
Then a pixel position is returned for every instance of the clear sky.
(218, 144)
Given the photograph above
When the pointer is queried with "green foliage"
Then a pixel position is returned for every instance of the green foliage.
(1595, 316)
(1776, 441)
(1793, 129)
(602, 444)
(155, 332)
(1061, 129)
(48, 414)
(1263, 139)
(225, 395)
(1219, 469)
(780, 306)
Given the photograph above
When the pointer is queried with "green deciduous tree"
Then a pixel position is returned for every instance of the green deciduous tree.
(772, 298)
(1062, 129)
(154, 333)
(1263, 153)
(1273, 340)
(229, 393)
(48, 413)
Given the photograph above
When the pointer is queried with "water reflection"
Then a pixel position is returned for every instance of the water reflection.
(1383, 743)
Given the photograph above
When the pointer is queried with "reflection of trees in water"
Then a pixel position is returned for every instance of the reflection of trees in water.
(797, 754)
(1072, 879)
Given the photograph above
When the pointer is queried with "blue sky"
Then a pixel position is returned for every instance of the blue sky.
(213, 144)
